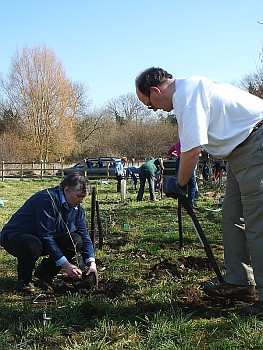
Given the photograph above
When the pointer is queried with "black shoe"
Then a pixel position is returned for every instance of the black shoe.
(253, 310)
(41, 274)
(26, 288)
(225, 290)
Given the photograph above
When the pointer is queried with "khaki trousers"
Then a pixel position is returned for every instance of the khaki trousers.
(243, 250)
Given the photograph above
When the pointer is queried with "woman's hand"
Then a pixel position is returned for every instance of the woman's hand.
(72, 270)
(93, 269)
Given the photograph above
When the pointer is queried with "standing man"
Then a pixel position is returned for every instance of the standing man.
(51, 223)
(227, 123)
(119, 172)
(148, 172)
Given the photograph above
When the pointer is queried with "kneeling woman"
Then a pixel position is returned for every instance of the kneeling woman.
(51, 223)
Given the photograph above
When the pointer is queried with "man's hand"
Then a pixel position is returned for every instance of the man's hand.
(182, 190)
(72, 270)
(93, 269)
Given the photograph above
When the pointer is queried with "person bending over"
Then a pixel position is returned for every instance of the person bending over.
(227, 122)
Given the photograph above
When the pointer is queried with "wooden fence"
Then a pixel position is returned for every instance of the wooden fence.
(29, 170)
(41, 170)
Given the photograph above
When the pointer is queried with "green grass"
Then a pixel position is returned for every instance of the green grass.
(149, 294)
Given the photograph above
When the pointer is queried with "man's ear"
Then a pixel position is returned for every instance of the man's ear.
(155, 89)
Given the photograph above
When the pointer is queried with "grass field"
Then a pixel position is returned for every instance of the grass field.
(149, 294)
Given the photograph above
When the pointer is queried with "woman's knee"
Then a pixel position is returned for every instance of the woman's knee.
(25, 245)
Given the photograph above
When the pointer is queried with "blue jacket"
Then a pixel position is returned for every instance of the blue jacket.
(47, 215)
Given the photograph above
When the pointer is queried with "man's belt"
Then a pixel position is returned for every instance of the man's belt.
(255, 128)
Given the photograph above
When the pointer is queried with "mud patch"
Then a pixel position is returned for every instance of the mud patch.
(164, 267)
(180, 266)
(197, 263)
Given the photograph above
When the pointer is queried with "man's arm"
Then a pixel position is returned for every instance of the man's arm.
(188, 161)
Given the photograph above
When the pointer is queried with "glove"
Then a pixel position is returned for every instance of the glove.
(182, 190)
(173, 189)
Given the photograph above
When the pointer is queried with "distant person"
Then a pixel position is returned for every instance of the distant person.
(50, 223)
(227, 122)
(205, 169)
(205, 172)
(133, 171)
(172, 151)
(120, 172)
(89, 163)
(216, 171)
(148, 171)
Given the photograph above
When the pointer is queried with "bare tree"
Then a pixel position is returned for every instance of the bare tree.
(152, 138)
(45, 101)
(253, 83)
(127, 108)
(92, 130)
(8, 120)
(126, 127)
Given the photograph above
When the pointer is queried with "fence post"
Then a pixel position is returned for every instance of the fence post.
(2, 170)
(93, 210)
(62, 169)
(99, 225)
(108, 170)
(21, 169)
(85, 167)
(41, 169)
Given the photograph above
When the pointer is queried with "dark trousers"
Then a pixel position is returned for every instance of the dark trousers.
(119, 178)
(135, 180)
(28, 249)
(143, 176)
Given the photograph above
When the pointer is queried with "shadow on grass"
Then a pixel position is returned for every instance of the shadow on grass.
(187, 301)
(8, 285)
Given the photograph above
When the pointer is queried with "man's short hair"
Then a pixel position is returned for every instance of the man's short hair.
(76, 182)
(151, 77)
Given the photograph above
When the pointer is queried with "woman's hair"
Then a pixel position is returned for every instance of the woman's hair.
(77, 182)
(151, 77)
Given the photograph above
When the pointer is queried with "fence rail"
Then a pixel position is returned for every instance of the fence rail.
(41, 170)
(29, 170)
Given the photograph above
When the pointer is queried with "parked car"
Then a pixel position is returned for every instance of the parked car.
(94, 168)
